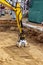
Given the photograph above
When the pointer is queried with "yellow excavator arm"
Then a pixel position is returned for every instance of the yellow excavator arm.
(18, 13)
(4, 2)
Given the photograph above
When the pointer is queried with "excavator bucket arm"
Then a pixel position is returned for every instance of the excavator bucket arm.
(18, 13)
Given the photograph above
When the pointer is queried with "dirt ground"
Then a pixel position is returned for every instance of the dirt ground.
(12, 55)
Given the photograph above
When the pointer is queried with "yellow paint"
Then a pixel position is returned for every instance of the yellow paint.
(17, 10)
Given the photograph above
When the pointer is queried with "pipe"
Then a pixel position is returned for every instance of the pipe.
(32, 26)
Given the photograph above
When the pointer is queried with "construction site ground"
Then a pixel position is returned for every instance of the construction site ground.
(12, 55)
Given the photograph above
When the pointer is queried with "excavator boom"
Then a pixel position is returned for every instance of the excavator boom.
(18, 13)
(4, 2)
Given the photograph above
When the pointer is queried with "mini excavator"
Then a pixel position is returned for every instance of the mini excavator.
(18, 12)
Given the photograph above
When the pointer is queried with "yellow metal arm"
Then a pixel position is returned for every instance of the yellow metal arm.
(17, 11)
(4, 2)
